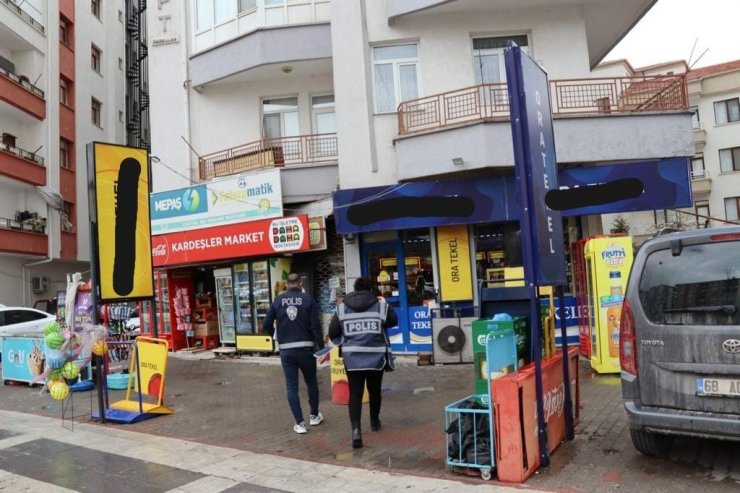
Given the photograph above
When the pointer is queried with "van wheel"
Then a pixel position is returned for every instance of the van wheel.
(650, 444)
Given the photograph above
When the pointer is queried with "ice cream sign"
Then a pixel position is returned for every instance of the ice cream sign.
(614, 254)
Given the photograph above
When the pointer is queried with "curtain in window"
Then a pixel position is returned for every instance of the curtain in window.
(720, 113)
(204, 9)
(725, 160)
(409, 84)
(731, 209)
(385, 93)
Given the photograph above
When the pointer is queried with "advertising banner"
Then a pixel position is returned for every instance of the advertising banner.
(455, 273)
(119, 189)
(22, 358)
(83, 314)
(420, 328)
(571, 319)
(152, 367)
(229, 200)
(264, 237)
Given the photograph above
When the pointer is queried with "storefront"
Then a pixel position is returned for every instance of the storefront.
(462, 236)
(221, 253)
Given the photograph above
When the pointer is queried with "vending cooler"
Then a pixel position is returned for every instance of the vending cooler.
(608, 261)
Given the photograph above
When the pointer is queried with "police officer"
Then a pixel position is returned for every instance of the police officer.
(299, 335)
(362, 321)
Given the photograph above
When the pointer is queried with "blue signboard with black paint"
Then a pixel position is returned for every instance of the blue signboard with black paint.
(535, 168)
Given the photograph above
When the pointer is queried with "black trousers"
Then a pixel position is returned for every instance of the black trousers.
(357, 380)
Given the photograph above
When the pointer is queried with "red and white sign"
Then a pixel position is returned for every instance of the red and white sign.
(264, 237)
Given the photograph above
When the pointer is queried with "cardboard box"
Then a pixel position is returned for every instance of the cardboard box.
(204, 329)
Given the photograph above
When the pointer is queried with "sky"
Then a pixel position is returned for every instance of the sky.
(671, 27)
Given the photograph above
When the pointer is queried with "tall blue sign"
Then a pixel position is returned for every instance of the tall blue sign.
(535, 168)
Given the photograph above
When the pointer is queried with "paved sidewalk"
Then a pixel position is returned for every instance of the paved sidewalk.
(240, 404)
(40, 454)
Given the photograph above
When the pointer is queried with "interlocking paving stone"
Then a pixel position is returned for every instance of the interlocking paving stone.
(87, 470)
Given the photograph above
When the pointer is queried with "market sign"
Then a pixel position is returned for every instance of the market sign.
(455, 274)
(229, 200)
(535, 168)
(263, 237)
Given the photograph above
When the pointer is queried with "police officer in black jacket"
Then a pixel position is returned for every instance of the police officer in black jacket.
(299, 336)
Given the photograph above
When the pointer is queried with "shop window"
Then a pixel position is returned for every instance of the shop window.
(417, 252)
(497, 246)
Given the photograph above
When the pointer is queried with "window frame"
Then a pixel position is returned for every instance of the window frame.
(727, 202)
(65, 91)
(65, 31)
(96, 108)
(695, 174)
(734, 158)
(499, 52)
(96, 58)
(701, 208)
(396, 64)
(65, 156)
(725, 106)
(95, 8)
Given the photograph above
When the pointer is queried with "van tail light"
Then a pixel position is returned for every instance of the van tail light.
(627, 340)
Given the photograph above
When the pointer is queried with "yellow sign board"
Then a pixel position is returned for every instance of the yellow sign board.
(150, 372)
(121, 189)
(455, 272)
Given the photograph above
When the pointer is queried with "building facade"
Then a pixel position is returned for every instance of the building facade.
(62, 86)
(365, 107)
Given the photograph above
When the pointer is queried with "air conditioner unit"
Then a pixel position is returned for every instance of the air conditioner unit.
(39, 284)
(452, 340)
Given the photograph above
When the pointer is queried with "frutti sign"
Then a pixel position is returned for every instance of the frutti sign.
(263, 237)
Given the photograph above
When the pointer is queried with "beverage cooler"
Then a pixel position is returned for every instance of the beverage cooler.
(225, 300)
(608, 263)
(167, 283)
(244, 297)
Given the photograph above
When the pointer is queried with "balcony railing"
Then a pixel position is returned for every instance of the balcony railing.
(269, 153)
(22, 153)
(24, 15)
(597, 96)
(35, 225)
(21, 81)
(698, 174)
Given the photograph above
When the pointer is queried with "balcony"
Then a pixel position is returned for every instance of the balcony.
(700, 182)
(595, 120)
(22, 165)
(700, 136)
(569, 97)
(308, 162)
(23, 15)
(22, 238)
(17, 91)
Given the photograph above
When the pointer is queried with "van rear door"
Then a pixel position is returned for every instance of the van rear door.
(688, 324)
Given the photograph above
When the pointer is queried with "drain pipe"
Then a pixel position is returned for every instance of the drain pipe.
(45, 261)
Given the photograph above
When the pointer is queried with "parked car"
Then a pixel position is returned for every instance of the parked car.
(20, 321)
(680, 339)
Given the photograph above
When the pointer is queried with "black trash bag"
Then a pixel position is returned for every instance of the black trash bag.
(468, 437)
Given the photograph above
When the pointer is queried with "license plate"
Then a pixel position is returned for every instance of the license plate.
(718, 386)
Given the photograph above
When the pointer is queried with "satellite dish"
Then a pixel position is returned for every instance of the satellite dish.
(51, 197)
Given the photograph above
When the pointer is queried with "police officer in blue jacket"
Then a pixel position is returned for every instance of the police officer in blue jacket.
(299, 336)
(362, 321)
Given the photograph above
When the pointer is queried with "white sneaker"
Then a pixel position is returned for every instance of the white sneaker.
(315, 420)
(300, 428)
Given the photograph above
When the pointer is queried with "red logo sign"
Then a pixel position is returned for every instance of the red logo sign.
(267, 236)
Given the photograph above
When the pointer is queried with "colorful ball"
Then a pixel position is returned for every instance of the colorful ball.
(55, 375)
(100, 347)
(55, 360)
(70, 370)
(59, 390)
(52, 381)
(54, 340)
(52, 327)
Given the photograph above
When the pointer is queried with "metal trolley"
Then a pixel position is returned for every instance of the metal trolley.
(469, 422)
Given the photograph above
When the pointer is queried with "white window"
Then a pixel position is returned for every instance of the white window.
(732, 208)
(395, 75)
(702, 213)
(280, 117)
(729, 159)
(695, 121)
(247, 5)
(697, 167)
(204, 14)
(324, 115)
(488, 57)
(727, 111)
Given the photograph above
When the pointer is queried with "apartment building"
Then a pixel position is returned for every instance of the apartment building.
(714, 93)
(356, 102)
(62, 86)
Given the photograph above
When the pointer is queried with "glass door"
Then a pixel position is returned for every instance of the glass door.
(225, 298)
(261, 291)
(243, 299)
(164, 296)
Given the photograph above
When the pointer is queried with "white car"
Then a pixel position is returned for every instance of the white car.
(22, 322)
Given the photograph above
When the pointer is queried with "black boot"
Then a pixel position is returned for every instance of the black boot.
(356, 436)
(375, 424)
